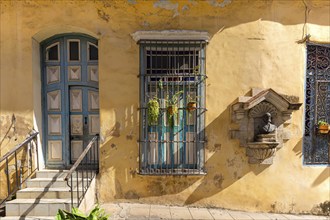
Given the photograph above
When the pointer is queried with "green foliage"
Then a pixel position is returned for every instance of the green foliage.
(160, 84)
(153, 111)
(196, 70)
(192, 99)
(172, 108)
(174, 99)
(322, 122)
(96, 214)
(172, 112)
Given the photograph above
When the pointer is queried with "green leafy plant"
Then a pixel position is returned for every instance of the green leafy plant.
(160, 84)
(96, 214)
(174, 99)
(322, 122)
(172, 108)
(323, 127)
(196, 70)
(153, 111)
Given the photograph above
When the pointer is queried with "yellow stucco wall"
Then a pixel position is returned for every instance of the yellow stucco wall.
(252, 44)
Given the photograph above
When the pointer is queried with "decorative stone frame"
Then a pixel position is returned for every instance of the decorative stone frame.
(171, 35)
(247, 113)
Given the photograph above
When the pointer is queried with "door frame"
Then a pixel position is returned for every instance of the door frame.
(63, 86)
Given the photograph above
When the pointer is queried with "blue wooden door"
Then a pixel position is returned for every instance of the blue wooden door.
(70, 97)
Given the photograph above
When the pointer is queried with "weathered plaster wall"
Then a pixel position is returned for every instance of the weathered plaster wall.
(253, 44)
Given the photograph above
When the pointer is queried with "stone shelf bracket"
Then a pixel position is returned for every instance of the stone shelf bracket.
(262, 120)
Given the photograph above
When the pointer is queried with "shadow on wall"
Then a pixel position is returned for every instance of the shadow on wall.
(298, 149)
(22, 166)
(325, 175)
(225, 163)
(8, 128)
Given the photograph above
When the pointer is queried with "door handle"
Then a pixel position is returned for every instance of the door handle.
(85, 120)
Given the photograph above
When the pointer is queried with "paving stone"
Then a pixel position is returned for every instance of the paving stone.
(124, 210)
(180, 213)
(274, 216)
(258, 216)
(139, 212)
(200, 213)
(161, 212)
(294, 217)
(316, 217)
(240, 215)
(307, 217)
(111, 208)
(220, 214)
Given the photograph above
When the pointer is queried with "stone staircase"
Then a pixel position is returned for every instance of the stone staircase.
(41, 198)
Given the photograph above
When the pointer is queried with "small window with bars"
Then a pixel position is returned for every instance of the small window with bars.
(172, 107)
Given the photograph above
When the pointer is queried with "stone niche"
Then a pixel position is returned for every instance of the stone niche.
(262, 120)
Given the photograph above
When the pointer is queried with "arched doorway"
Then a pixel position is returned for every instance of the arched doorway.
(70, 100)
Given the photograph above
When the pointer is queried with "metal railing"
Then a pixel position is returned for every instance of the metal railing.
(30, 145)
(85, 169)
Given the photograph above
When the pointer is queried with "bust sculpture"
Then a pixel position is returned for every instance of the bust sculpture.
(267, 127)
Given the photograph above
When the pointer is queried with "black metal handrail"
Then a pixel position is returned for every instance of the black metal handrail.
(29, 143)
(85, 168)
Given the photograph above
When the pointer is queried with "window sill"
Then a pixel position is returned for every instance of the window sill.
(172, 172)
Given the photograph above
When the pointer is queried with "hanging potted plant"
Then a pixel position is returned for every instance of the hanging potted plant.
(153, 111)
(323, 127)
(191, 106)
(172, 107)
(191, 103)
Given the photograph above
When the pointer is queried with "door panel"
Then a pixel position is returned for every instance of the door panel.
(84, 118)
(55, 150)
(76, 122)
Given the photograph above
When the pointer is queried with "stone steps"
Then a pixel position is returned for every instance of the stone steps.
(52, 174)
(43, 196)
(46, 193)
(51, 183)
(36, 207)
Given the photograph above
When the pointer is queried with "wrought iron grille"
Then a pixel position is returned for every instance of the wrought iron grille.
(172, 76)
(317, 107)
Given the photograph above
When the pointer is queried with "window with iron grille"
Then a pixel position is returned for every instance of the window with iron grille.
(172, 107)
(317, 105)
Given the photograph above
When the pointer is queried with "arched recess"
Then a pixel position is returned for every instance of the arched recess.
(37, 59)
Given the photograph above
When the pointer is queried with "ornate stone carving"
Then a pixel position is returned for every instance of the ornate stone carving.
(261, 118)
(262, 108)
